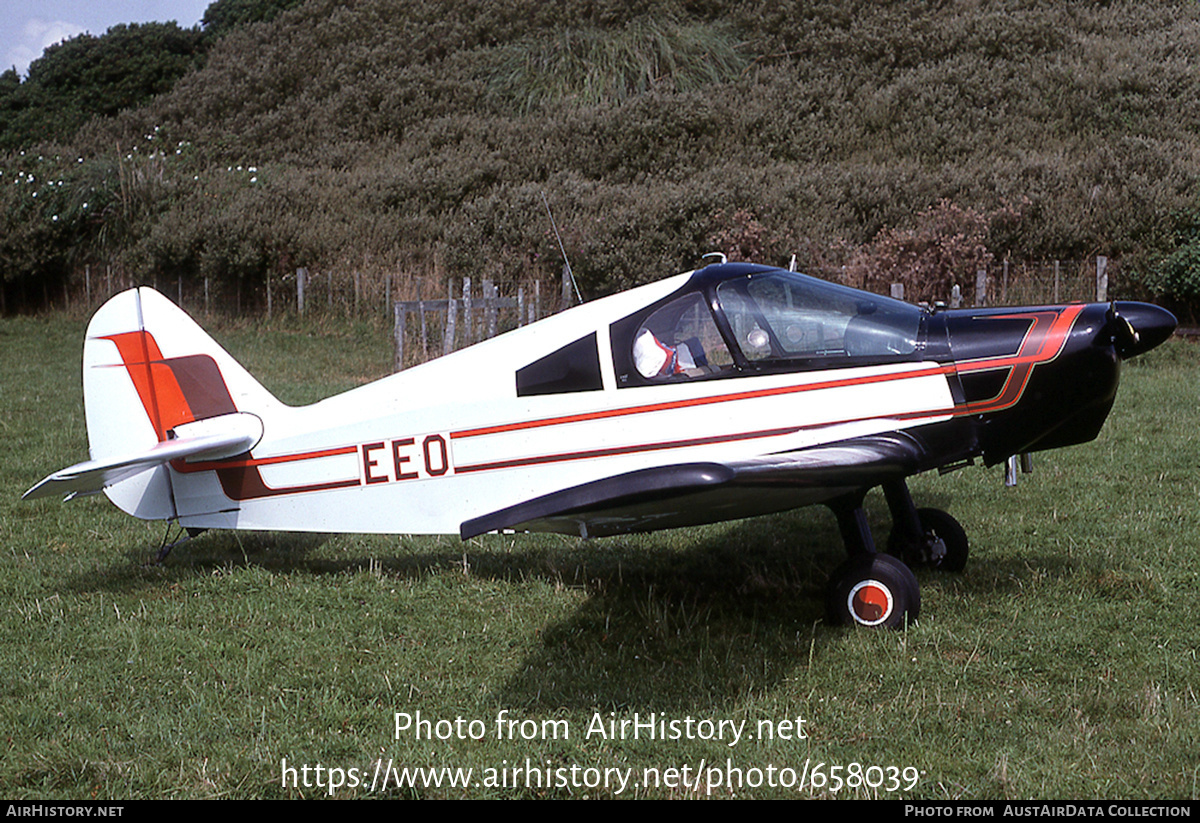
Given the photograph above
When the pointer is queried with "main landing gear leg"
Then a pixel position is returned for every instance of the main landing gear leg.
(852, 522)
(924, 537)
(869, 589)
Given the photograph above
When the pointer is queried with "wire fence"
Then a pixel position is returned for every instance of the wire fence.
(362, 294)
(1055, 281)
(432, 316)
(438, 327)
(1023, 283)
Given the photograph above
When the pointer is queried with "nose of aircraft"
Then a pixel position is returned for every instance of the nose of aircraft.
(1138, 327)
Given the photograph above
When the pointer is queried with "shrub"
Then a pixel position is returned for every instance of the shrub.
(1176, 274)
(656, 135)
(947, 246)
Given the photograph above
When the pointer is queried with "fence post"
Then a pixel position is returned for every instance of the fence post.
(399, 322)
(301, 276)
(1056, 281)
(421, 309)
(424, 332)
(981, 287)
(955, 296)
(451, 321)
(566, 288)
(491, 295)
(897, 291)
(468, 331)
(1101, 279)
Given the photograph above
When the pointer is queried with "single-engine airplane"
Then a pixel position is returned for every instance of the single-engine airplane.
(726, 392)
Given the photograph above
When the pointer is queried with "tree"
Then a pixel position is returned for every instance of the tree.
(223, 16)
(90, 76)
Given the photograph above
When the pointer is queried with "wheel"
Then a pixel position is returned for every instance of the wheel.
(941, 526)
(874, 590)
(945, 545)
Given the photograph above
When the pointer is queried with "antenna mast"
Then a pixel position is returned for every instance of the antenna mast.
(561, 248)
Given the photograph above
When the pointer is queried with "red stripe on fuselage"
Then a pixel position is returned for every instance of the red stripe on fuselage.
(700, 401)
(251, 462)
(1045, 339)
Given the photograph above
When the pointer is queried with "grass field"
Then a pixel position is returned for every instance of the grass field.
(1061, 664)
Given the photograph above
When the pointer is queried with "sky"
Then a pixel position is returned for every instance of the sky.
(27, 27)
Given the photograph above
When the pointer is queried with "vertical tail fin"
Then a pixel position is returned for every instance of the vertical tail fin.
(148, 370)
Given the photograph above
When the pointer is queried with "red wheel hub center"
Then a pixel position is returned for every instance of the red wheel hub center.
(870, 602)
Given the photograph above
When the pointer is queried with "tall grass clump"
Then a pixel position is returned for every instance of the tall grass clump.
(589, 66)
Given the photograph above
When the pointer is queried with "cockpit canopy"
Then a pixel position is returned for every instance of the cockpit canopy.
(762, 319)
(738, 320)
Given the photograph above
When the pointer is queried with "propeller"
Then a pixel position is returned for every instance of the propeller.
(1138, 327)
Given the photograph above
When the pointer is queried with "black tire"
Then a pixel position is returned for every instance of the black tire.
(873, 591)
(952, 534)
(936, 524)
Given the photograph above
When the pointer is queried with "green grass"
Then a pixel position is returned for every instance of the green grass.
(1061, 664)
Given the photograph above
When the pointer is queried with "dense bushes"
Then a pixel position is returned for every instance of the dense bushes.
(594, 65)
(418, 133)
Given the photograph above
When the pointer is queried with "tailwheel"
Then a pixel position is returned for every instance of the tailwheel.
(873, 590)
(942, 545)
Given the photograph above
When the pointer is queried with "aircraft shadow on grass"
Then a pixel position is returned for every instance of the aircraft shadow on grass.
(660, 628)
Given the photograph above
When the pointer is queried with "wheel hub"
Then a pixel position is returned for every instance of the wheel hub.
(870, 602)
(935, 549)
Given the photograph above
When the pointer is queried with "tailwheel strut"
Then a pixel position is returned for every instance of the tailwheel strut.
(164, 548)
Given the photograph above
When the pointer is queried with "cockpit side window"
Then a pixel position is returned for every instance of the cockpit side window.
(573, 368)
(680, 339)
(781, 316)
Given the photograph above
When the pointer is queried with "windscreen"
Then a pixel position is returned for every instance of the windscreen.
(783, 315)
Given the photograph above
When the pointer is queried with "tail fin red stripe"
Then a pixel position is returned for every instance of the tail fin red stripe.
(155, 381)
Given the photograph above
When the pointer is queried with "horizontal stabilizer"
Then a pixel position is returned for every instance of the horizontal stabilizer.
(211, 439)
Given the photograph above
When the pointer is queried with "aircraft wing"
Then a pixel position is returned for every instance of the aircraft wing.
(689, 494)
